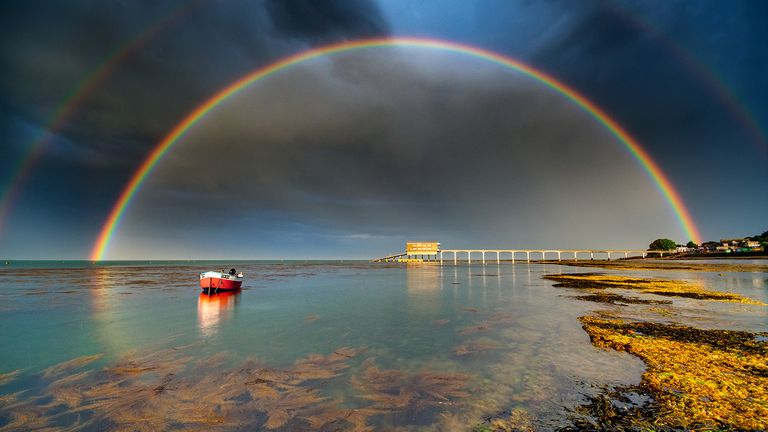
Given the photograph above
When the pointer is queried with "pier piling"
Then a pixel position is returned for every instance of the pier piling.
(438, 255)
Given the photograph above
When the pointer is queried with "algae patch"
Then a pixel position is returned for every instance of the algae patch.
(698, 378)
(662, 287)
(170, 390)
(671, 264)
(626, 408)
(617, 299)
(514, 420)
(5, 378)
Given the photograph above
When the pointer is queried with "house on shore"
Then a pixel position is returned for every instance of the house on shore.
(730, 246)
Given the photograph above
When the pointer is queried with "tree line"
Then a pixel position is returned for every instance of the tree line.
(667, 244)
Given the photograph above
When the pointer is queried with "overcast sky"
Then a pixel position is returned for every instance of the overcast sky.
(349, 156)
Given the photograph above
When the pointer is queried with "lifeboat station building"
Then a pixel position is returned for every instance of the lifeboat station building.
(421, 251)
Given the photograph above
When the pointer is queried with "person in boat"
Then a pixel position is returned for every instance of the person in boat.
(232, 272)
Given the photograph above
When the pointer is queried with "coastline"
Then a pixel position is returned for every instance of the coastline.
(696, 378)
(716, 256)
(654, 264)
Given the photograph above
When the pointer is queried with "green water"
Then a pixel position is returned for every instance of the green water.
(512, 338)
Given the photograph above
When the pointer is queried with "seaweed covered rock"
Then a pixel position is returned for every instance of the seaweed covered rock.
(662, 287)
(698, 378)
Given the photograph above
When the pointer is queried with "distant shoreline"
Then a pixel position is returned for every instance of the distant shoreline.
(739, 255)
(665, 264)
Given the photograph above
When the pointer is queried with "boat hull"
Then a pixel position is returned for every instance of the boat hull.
(219, 284)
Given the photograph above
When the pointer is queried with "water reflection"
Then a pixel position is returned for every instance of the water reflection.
(106, 309)
(423, 285)
(213, 309)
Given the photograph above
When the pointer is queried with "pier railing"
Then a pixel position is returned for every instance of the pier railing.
(513, 255)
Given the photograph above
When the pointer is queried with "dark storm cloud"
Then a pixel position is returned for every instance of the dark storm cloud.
(387, 145)
(52, 50)
(629, 64)
(188, 51)
(634, 59)
(299, 163)
(323, 20)
(195, 49)
(597, 30)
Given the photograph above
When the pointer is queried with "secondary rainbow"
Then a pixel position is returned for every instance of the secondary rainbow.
(715, 84)
(75, 99)
(651, 168)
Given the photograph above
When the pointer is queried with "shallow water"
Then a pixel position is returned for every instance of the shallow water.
(737, 261)
(411, 347)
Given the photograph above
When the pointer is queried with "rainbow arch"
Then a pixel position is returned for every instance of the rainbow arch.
(652, 169)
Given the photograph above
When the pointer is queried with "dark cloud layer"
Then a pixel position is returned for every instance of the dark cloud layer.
(332, 119)
(322, 20)
(382, 145)
(187, 51)
(195, 49)
(599, 30)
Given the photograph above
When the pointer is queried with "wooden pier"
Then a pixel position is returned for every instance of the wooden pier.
(512, 255)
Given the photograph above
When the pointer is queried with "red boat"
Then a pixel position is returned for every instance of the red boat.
(220, 281)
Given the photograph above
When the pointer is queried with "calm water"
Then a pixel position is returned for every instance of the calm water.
(416, 347)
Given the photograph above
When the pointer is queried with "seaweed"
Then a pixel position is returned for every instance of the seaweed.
(617, 299)
(698, 378)
(7, 377)
(662, 287)
(621, 409)
(633, 264)
(398, 391)
(474, 329)
(66, 366)
(280, 407)
(474, 348)
(332, 417)
(319, 367)
(514, 420)
(168, 390)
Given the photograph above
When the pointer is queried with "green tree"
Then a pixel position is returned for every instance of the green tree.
(662, 244)
(691, 245)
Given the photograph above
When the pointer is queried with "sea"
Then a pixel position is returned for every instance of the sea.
(315, 345)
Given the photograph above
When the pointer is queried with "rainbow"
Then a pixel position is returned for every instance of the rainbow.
(737, 110)
(651, 168)
(75, 99)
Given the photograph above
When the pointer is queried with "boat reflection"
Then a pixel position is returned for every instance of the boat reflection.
(213, 309)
